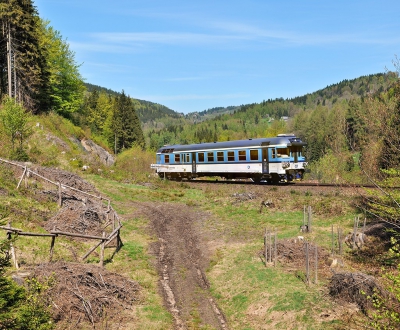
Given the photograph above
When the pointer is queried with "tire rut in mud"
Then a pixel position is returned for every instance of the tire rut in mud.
(182, 258)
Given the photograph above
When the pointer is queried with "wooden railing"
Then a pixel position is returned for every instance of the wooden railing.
(104, 240)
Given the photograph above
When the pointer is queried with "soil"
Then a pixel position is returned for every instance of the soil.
(182, 258)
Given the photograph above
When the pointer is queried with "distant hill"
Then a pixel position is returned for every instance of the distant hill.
(346, 89)
(146, 110)
(162, 125)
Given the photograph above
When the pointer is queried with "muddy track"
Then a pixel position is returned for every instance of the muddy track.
(181, 261)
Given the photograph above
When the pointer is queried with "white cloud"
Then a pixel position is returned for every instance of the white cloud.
(158, 98)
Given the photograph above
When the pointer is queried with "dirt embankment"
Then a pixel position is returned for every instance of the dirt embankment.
(181, 262)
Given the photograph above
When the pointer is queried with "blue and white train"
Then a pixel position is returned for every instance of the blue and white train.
(272, 160)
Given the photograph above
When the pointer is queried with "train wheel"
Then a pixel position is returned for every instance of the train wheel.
(256, 179)
(275, 179)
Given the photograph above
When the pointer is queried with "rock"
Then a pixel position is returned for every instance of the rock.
(105, 157)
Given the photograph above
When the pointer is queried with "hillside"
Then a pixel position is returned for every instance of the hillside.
(257, 119)
(162, 125)
(208, 272)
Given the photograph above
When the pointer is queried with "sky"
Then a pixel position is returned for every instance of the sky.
(196, 55)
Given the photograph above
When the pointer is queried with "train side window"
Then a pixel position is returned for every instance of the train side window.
(220, 156)
(242, 155)
(166, 159)
(231, 156)
(177, 157)
(273, 153)
(254, 154)
(200, 156)
(188, 159)
(210, 156)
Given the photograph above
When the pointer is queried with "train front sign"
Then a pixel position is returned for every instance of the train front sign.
(272, 160)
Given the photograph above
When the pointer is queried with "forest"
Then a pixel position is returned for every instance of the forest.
(352, 127)
(341, 123)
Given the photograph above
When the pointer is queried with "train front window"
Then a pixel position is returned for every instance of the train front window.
(283, 152)
(242, 155)
(158, 159)
(296, 153)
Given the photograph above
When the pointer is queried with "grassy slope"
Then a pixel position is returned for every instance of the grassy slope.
(251, 296)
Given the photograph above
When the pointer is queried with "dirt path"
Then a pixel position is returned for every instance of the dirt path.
(182, 259)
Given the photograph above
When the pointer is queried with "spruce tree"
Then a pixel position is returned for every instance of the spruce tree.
(24, 73)
(126, 124)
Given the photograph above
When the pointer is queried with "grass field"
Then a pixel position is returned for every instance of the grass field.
(250, 295)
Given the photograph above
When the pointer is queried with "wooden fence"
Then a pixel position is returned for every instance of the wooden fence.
(104, 240)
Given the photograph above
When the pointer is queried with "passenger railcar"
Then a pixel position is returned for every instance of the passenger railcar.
(263, 159)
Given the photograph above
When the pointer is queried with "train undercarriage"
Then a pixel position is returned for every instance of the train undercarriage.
(272, 178)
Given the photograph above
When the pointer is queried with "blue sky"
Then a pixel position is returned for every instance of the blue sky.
(195, 55)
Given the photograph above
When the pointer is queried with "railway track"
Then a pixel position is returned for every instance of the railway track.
(294, 184)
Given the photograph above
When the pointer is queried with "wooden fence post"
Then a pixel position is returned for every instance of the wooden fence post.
(108, 211)
(22, 177)
(270, 246)
(355, 231)
(316, 264)
(307, 264)
(333, 241)
(340, 242)
(59, 194)
(275, 248)
(102, 250)
(12, 250)
(53, 241)
(266, 247)
(119, 241)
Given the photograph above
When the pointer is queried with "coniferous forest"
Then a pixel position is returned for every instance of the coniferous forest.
(335, 120)
(352, 127)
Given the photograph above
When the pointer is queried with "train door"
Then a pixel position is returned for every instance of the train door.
(265, 163)
(193, 154)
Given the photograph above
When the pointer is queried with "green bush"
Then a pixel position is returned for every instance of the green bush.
(20, 308)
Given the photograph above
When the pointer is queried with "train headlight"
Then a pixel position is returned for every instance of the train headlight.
(285, 164)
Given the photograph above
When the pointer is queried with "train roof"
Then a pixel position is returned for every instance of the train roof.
(286, 140)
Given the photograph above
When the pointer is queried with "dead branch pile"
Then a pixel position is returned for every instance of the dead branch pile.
(76, 216)
(382, 230)
(291, 251)
(86, 293)
(355, 288)
(65, 178)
